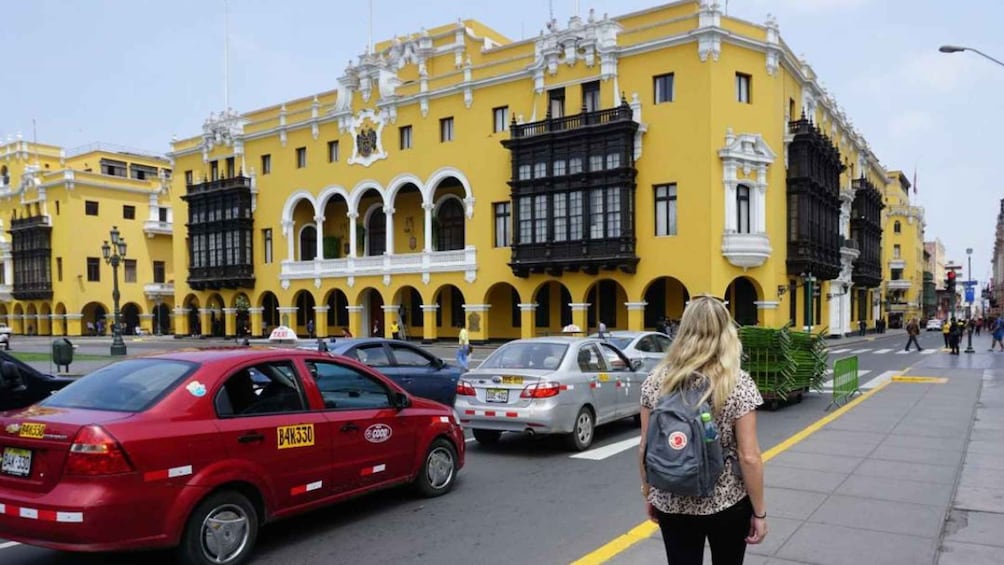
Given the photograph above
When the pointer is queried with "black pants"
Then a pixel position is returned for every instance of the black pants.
(953, 342)
(946, 340)
(913, 340)
(726, 531)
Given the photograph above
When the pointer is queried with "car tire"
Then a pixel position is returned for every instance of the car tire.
(439, 470)
(583, 430)
(234, 520)
(487, 437)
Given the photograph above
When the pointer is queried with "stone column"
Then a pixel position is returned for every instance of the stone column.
(229, 322)
(476, 320)
(389, 212)
(636, 316)
(353, 217)
(429, 330)
(355, 320)
(390, 314)
(319, 228)
(75, 325)
(321, 328)
(527, 319)
(579, 312)
(287, 317)
(206, 321)
(255, 314)
(181, 321)
(428, 207)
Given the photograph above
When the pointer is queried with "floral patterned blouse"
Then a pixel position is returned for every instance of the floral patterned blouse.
(730, 488)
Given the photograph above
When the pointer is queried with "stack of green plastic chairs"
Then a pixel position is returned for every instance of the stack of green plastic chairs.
(809, 354)
(767, 357)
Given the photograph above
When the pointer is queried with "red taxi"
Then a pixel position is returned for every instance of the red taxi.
(197, 449)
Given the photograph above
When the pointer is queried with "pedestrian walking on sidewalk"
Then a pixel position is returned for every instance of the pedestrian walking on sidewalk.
(954, 335)
(998, 334)
(463, 348)
(707, 347)
(913, 330)
(946, 329)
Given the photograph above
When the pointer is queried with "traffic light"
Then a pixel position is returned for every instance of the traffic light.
(950, 280)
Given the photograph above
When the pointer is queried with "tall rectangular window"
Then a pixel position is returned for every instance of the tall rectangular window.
(266, 235)
(575, 215)
(663, 88)
(446, 129)
(525, 220)
(591, 96)
(129, 270)
(188, 178)
(896, 251)
(162, 214)
(540, 218)
(231, 168)
(301, 157)
(744, 87)
(214, 170)
(500, 119)
(93, 269)
(159, 272)
(556, 102)
(503, 231)
(91, 207)
(404, 132)
(596, 213)
(128, 212)
(743, 209)
(59, 269)
(333, 151)
(665, 209)
(266, 164)
(561, 216)
(613, 211)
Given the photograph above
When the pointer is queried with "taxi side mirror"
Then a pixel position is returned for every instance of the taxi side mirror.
(637, 364)
(401, 400)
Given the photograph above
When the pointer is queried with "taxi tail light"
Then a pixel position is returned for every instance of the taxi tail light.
(95, 452)
(465, 388)
(541, 390)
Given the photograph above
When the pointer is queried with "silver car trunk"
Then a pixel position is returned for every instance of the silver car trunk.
(502, 387)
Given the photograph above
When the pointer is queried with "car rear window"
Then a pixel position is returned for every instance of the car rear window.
(620, 342)
(526, 355)
(126, 386)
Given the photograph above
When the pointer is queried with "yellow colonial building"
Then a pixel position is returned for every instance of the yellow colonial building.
(902, 253)
(56, 209)
(605, 170)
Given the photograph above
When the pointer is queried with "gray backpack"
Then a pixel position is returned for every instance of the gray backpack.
(679, 458)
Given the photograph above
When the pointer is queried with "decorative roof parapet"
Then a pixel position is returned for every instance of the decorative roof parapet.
(586, 41)
(226, 128)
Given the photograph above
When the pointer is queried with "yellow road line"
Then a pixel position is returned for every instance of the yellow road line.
(644, 530)
(929, 380)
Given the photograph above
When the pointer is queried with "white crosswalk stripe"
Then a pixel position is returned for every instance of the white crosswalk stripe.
(828, 386)
(904, 352)
(836, 351)
(860, 351)
(929, 351)
(881, 351)
(601, 453)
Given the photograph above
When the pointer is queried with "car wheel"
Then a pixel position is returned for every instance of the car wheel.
(439, 471)
(487, 437)
(220, 531)
(582, 433)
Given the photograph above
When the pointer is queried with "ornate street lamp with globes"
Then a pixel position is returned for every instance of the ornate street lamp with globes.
(115, 254)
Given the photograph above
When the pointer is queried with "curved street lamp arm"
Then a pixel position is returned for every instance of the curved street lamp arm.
(957, 48)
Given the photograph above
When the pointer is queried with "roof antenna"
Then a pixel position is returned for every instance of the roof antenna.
(226, 55)
(369, 47)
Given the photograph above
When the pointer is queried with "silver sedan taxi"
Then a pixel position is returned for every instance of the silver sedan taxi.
(549, 385)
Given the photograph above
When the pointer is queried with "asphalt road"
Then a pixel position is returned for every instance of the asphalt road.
(525, 500)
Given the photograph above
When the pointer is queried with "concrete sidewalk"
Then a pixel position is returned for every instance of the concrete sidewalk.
(904, 477)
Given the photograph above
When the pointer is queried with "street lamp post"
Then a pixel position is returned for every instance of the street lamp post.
(115, 254)
(960, 48)
(969, 305)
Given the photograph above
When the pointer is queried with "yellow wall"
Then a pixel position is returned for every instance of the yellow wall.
(910, 240)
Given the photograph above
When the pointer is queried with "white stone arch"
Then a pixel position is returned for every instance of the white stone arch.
(361, 188)
(299, 238)
(291, 202)
(442, 200)
(440, 175)
(398, 182)
(327, 193)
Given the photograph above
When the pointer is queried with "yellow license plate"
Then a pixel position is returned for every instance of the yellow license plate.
(33, 431)
(512, 380)
(300, 435)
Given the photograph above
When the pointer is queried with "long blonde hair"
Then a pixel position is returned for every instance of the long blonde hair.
(706, 343)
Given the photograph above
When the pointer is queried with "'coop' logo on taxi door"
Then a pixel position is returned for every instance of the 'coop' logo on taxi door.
(378, 433)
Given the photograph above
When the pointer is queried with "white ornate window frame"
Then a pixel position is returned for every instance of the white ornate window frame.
(746, 152)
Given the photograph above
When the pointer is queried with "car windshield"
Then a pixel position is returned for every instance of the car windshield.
(126, 386)
(619, 342)
(526, 355)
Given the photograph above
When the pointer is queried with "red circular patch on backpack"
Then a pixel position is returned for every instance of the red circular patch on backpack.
(678, 440)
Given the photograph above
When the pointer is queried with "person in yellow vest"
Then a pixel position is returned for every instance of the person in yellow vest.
(463, 348)
(945, 328)
(395, 330)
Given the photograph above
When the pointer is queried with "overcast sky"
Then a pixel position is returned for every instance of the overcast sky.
(136, 72)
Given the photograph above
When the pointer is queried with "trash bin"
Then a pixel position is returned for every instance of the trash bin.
(62, 353)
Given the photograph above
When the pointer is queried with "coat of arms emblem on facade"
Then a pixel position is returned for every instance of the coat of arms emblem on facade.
(365, 129)
(366, 141)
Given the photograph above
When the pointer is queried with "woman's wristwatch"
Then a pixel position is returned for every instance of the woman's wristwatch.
(760, 516)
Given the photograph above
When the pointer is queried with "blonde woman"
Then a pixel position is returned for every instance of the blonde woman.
(735, 515)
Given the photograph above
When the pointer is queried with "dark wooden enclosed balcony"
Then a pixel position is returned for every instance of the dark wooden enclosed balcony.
(622, 113)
